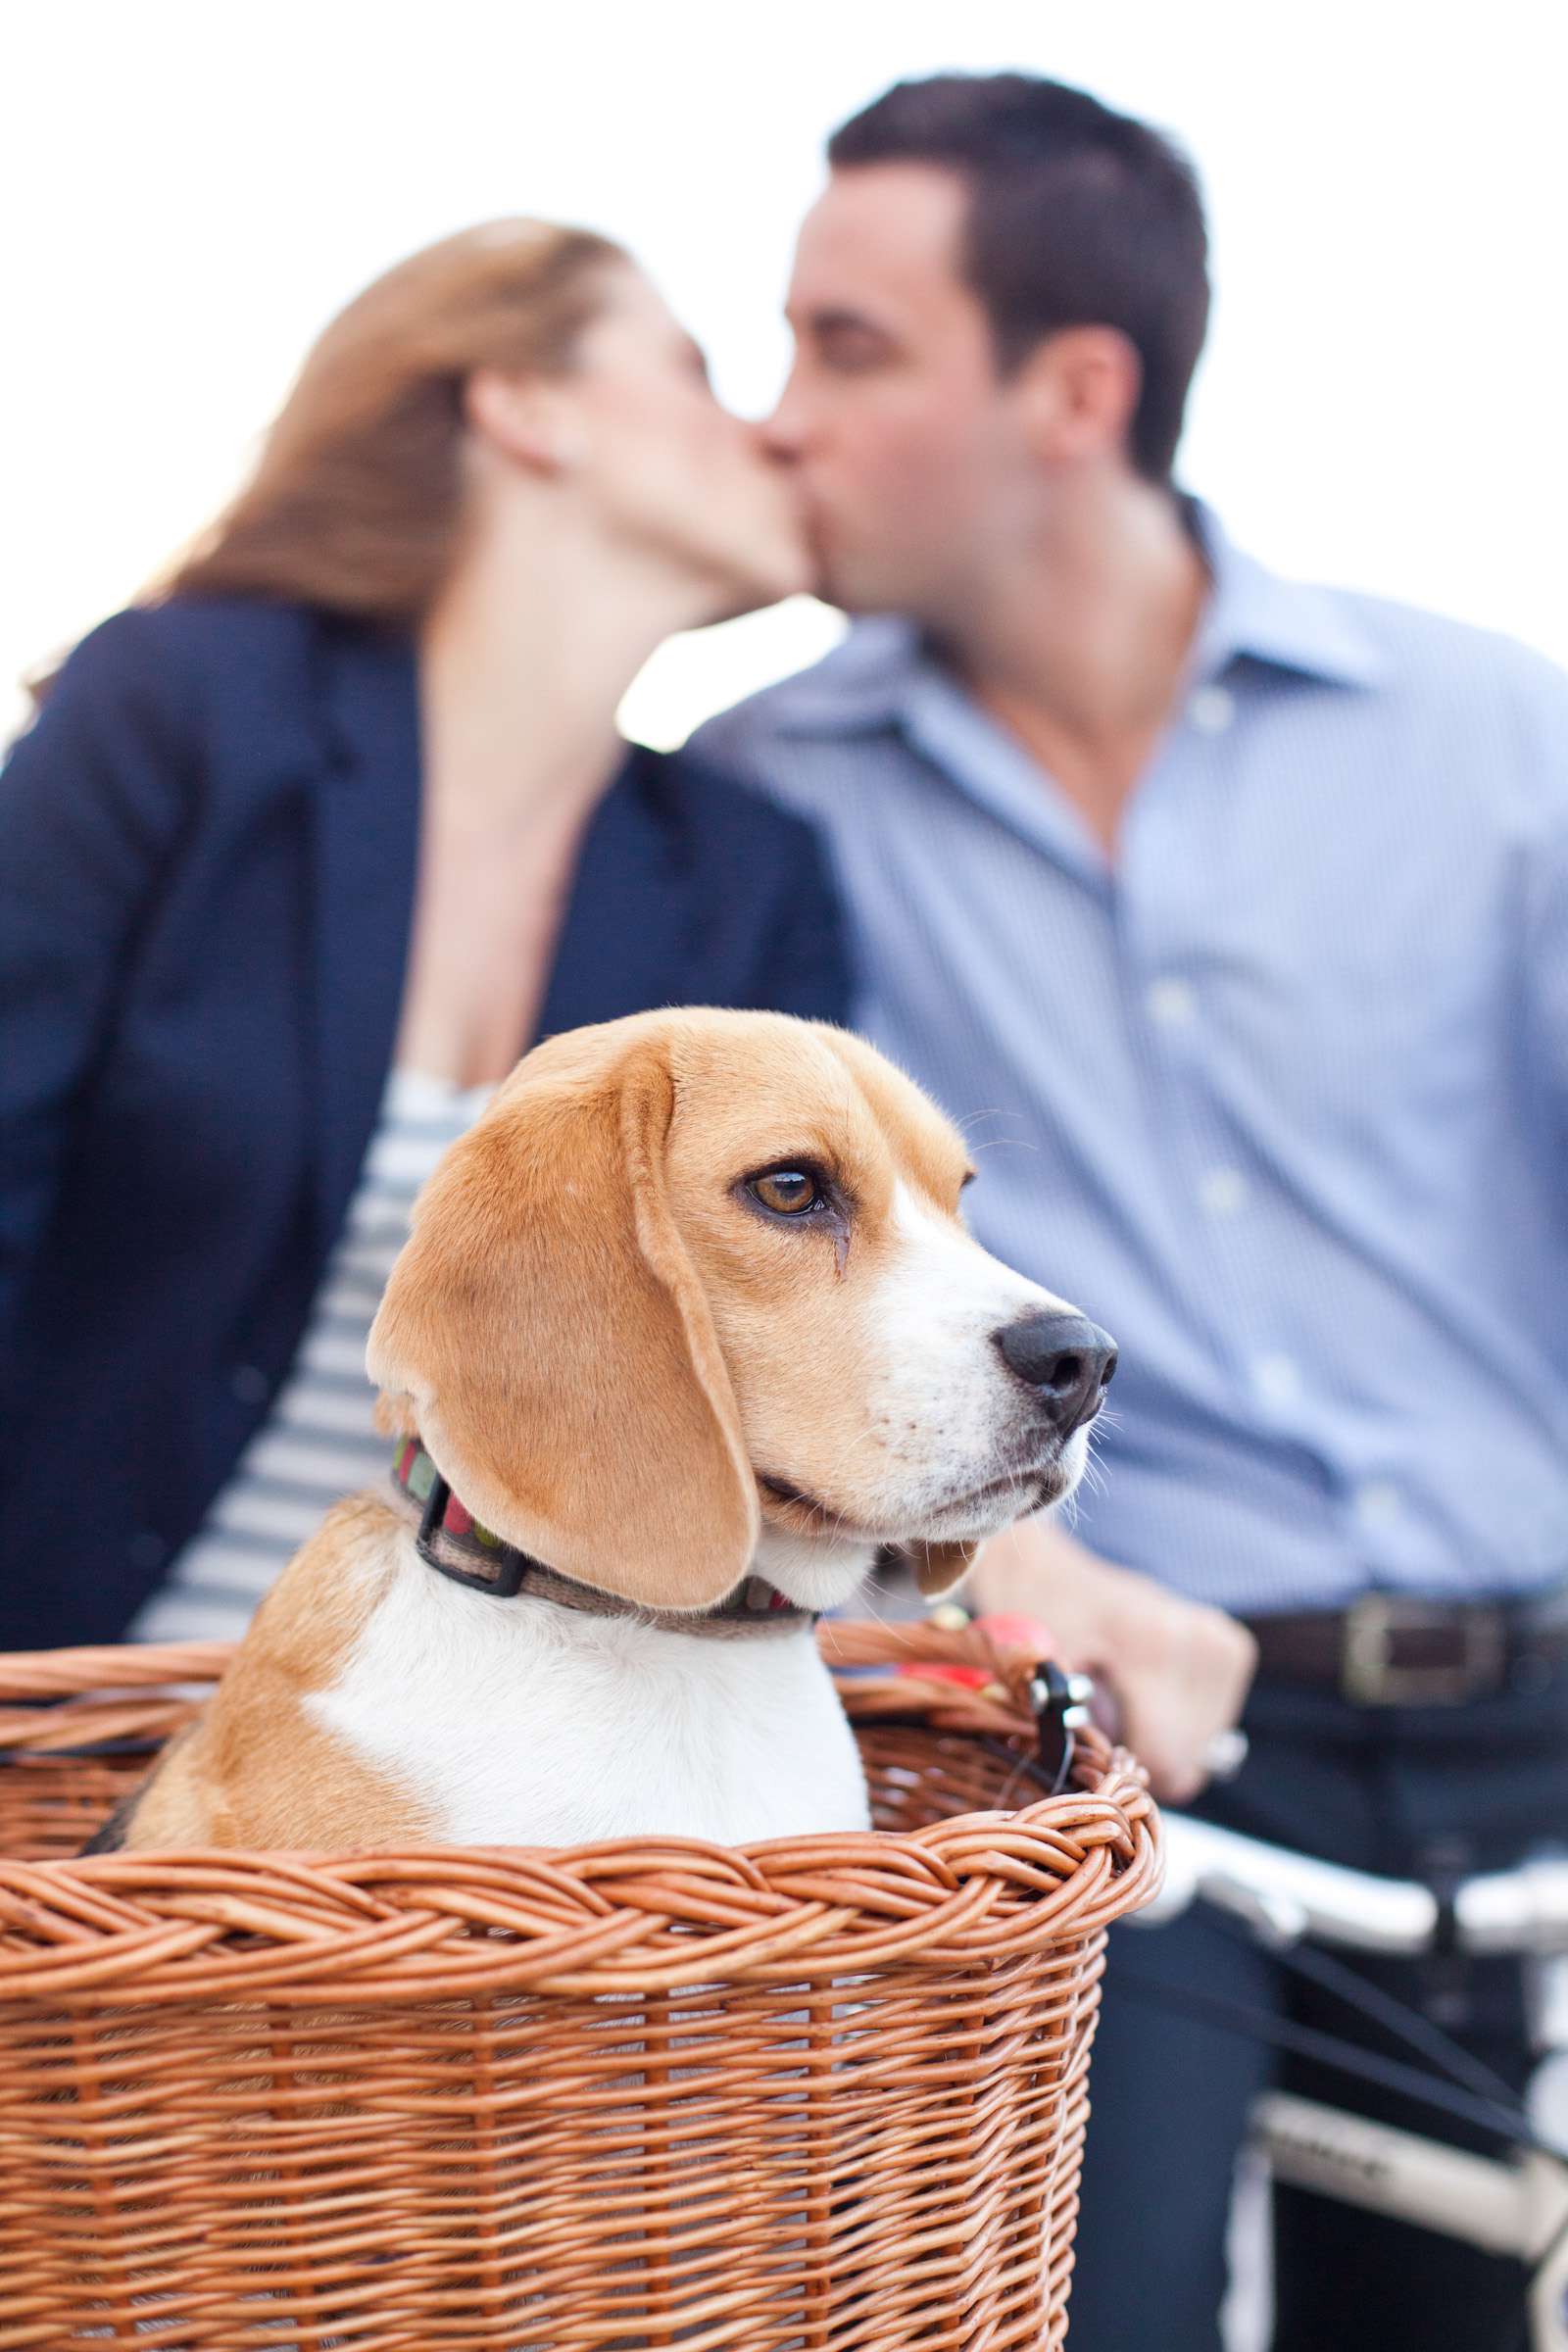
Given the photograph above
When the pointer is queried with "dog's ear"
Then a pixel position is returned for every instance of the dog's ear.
(546, 1333)
(938, 1567)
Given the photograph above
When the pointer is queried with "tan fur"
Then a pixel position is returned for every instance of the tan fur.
(576, 1275)
(254, 1771)
(821, 1094)
(546, 1330)
(604, 1349)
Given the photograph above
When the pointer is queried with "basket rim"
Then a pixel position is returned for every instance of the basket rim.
(635, 1915)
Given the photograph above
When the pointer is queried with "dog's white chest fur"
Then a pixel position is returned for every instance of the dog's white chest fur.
(521, 1722)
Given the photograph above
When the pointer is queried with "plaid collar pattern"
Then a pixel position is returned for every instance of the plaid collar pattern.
(455, 1544)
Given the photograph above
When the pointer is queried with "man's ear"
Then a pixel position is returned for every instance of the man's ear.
(1079, 391)
(546, 1333)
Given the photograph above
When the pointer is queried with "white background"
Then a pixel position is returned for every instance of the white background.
(191, 190)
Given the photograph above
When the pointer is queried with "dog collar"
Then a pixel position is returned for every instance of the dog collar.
(453, 1542)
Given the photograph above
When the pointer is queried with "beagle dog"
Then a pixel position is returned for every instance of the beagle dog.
(687, 1330)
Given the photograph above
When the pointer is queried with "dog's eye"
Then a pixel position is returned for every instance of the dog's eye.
(787, 1192)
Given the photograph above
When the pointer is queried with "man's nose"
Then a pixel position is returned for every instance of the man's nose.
(781, 432)
(1067, 1360)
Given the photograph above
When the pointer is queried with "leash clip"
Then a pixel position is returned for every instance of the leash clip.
(1060, 1702)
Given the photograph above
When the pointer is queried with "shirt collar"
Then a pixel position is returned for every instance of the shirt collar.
(1253, 614)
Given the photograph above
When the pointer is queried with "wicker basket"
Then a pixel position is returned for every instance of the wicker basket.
(821, 2093)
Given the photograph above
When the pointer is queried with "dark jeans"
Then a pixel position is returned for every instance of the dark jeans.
(1407, 1791)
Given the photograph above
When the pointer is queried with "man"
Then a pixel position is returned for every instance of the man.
(1232, 918)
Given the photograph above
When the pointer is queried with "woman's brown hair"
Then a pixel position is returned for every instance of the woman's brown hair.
(355, 501)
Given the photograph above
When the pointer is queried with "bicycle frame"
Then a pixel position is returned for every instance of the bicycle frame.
(1515, 2206)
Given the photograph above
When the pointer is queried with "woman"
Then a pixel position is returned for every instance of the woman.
(300, 856)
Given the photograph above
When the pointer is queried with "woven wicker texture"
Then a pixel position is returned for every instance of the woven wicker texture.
(827, 2092)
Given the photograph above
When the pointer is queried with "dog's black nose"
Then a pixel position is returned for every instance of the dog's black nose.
(1067, 1361)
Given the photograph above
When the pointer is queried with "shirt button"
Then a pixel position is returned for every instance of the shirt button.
(1277, 1378)
(1172, 1002)
(250, 1384)
(1378, 1503)
(1211, 709)
(1222, 1192)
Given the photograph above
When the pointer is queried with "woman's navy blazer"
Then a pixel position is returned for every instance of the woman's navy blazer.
(207, 866)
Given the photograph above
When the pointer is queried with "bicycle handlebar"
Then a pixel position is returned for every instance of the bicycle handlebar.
(1286, 1896)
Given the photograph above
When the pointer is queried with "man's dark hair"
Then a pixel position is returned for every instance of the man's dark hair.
(1077, 217)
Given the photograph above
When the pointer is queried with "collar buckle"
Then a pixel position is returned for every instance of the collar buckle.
(511, 1565)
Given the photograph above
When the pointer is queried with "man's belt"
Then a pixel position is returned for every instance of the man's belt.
(1387, 1650)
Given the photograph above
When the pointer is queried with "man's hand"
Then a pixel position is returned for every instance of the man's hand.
(1177, 1670)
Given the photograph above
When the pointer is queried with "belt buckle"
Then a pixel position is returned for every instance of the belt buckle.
(1369, 1674)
